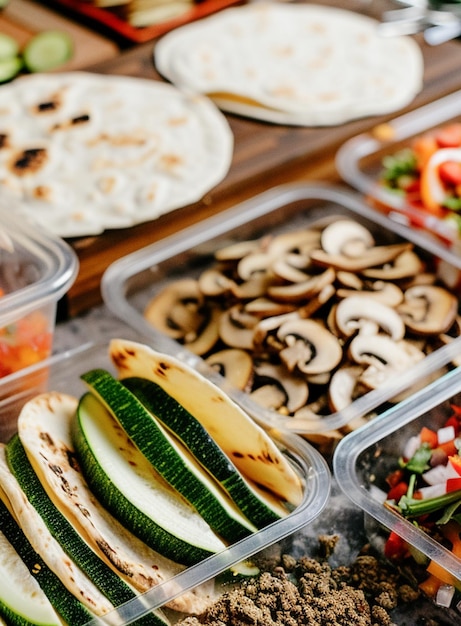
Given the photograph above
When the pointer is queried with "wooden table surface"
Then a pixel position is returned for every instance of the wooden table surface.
(265, 155)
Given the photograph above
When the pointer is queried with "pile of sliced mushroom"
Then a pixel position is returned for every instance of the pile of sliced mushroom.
(308, 321)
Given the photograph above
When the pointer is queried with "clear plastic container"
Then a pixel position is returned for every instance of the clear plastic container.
(365, 458)
(62, 373)
(36, 270)
(359, 162)
(130, 282)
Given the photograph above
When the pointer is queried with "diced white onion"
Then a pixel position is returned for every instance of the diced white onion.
(433, 491)
(438, 474)
(445, 434)
(411, 446)
(445, 595)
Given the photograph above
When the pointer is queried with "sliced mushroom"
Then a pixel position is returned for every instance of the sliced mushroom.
(181, 312)
(213, 282)
(379, 255)
(266, 307)
(208, 334)
(267, 328)
(236, 251)
(291, 268)
(294, 388)
(300, 241)
(349, 280)
(384, 356)
(302, 290)
(428, 309)
(310, 347)
(180, 298)
(343, 385)
(357, 312)
(235, 365)
(405, 265)
(253, 264)
(381, 291)
(255, 287)
(346, 237)
(381, 350)
(236, 328)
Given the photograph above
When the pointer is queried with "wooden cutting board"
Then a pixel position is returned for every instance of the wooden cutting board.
(24, 18)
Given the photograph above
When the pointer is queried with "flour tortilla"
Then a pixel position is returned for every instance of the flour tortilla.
(293, 64)
(110, 151)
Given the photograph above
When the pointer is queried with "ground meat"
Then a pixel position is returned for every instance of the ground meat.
(308, 591)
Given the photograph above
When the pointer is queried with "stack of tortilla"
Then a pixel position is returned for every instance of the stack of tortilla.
(298, 64)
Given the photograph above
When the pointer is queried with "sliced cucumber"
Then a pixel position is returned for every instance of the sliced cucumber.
(9, 47)
(10, 68)
(125, 482)
(170, 458)
(205, 450)
(105, 579)
(47, 50)
(65, 604)
(21, 599)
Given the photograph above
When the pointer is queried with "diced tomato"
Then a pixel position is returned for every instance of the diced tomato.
(428, 436)
(395, 477)
(453, 421)
(395, 547)
(397, 491)
(24, 343)
(453, 484)
(449, 136)
(450, 172)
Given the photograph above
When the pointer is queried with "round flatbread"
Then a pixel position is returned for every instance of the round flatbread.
(85, 152)
(293, 63)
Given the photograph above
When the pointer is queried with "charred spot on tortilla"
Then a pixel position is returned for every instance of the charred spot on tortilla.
(42, 192)
(29, 161)
(4, 140)
(77, 120)
(48, 105)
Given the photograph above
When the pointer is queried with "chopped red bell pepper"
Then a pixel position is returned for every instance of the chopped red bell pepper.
(395, 547)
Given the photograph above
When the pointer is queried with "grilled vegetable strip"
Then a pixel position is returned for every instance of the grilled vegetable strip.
(46, 546)
(44, 427)
(65, 603)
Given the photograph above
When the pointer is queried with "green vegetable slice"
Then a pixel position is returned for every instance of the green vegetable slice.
(44, 427)
(9, 47)
(105, 579)
(205, 450)
(170, 459)
(248, 445)
(65, 604)
(9, 68)
(21, 599)
(126, 483)
(47, 50)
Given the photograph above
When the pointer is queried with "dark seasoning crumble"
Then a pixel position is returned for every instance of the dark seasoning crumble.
(308, 591)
